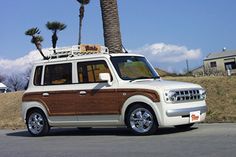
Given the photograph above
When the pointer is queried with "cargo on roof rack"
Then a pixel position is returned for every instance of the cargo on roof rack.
(78, 50)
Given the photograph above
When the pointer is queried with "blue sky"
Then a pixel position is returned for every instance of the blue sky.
(193, 27)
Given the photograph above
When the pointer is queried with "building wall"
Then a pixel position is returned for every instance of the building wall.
(198, 71)
(220, 63)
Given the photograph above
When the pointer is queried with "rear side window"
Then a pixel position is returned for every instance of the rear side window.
(88, 72)
(58, 74)
(38, 75)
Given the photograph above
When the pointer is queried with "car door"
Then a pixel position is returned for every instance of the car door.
(95, 97)
(58, 94)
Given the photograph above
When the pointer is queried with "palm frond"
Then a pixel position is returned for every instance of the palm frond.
(83, 2)
(55, 25)
(37, 39)
(32, 31)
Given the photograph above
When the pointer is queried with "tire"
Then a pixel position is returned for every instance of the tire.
(37, 123)
(185, 126)
(141, 120)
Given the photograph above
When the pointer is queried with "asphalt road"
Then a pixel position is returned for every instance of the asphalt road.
(205, 140)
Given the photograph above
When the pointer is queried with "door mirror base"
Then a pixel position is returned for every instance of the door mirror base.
(105, 77)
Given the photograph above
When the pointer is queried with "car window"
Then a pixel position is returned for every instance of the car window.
(58, 74)
(88, 72)
(38, 75)
(133, 67)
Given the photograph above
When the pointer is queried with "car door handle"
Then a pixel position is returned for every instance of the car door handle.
(82, 92)
(45, 94)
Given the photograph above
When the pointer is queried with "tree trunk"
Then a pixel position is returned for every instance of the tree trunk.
(111, 25)
(54, 41)
(81, 16)
(39, 48)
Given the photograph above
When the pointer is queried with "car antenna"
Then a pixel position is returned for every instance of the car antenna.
(124, 48)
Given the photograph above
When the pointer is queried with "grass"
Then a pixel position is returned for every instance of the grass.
(221, 101)
(10, 110)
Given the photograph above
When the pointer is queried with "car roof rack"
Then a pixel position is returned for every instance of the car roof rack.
(77, 50)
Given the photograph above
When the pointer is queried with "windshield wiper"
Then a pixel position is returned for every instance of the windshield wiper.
(156, 77)
(144, 77)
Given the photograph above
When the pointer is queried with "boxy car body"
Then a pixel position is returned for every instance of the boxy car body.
(102, 89)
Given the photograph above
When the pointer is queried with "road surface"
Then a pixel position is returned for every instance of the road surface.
(204, 140)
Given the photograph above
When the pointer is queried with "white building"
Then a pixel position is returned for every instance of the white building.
(221, 62)
(3, 88)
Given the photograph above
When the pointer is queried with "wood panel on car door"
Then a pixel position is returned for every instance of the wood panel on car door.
(87, 102)
(108, 101)
(57, 103)
(61, 103)
(97, 102)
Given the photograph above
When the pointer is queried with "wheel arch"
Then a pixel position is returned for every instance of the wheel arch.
(143, 100)
(27, 107)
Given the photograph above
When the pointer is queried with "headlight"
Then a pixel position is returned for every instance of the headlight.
(202, 93)
(171, 96)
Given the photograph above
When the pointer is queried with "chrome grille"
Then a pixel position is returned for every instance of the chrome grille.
(187, 95)
(183, 95)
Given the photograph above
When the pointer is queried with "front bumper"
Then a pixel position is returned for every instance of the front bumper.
(179, 113)
(185, 111)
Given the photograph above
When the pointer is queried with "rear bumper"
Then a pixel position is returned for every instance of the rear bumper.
(185, 111)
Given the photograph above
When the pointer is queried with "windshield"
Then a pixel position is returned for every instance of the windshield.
(133, 68)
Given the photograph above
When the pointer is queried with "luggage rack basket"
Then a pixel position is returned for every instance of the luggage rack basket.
(77, 50)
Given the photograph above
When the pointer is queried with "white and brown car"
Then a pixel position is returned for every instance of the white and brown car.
(102, 90)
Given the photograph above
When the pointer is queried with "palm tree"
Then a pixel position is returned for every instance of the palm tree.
(36, 39)
(81, 16)
(55, 27)
(111, 25)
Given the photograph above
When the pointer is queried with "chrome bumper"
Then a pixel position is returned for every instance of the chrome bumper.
(185, 111)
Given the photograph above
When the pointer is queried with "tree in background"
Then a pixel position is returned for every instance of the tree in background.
(111, 25)
(55, 27)
(81, 16)
(15, 82)
(26, 76)
(36, 39)
(2, 78)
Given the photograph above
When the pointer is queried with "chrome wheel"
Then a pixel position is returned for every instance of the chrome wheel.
(37, 123)
(141, 120)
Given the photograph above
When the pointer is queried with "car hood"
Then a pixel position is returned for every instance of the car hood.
(164, 85)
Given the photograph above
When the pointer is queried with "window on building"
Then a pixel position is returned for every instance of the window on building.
(88, 72)
(58, 74)
(38, 75)
(230, 65)
(213, 64)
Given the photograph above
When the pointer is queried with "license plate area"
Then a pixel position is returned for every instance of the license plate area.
(195, 116)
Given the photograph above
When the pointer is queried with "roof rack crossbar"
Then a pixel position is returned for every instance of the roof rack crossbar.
(77, 50)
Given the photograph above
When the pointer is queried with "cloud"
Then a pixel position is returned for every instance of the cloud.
(166, 56)
(20, 64)
(167, 53)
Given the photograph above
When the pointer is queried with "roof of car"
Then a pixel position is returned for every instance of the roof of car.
(80, 52)
(85, 57)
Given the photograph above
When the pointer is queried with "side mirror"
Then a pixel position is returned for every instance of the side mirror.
(105, 77)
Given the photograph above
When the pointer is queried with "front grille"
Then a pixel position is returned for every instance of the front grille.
(187, 95)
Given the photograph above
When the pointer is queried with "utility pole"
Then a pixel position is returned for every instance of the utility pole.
(187, 66)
